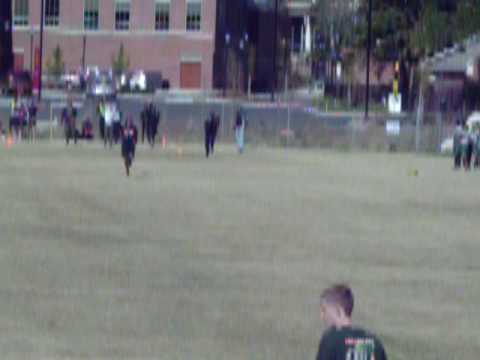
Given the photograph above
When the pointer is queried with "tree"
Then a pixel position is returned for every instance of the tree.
(120, 62)
(467, 19)
(56, 65)
(334, 24)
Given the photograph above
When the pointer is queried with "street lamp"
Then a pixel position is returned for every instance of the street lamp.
(225, 63)
(369, 48)
(246, 61)
(275, 34)
(84, 49)
(31, 49)
(42, 12)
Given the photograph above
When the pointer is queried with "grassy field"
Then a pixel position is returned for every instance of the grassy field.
(225, 258)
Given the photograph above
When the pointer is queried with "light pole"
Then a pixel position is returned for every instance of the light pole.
(42, 13)
(246, 62)
(84, 48)
(31, 50)
(274, 67)
(225, 63)
(241, 47)
(369, 48)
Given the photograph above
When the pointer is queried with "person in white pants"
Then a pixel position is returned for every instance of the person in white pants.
(109, 117)
(240, 131)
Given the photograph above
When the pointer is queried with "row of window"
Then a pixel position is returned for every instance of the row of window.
(122, 14)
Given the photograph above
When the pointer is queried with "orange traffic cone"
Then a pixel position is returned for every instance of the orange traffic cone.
(9, 141)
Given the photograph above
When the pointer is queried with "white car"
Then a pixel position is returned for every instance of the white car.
(101, 86)
(138, 81)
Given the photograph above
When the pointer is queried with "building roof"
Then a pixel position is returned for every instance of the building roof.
(299, 7)
(451, 61)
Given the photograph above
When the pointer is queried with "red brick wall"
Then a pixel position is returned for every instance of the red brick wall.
(147, 49)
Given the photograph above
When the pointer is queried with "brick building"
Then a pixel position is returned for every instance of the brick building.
(175, 37)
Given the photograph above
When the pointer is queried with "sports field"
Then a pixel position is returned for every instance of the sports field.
(225, 258)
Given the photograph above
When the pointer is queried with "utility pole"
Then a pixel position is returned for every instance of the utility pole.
(31, 50)
(225, 63)
(275, 45)
(42, 13)
(369, 49)
(84, 51)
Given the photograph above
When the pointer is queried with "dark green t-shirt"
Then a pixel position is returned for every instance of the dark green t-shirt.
(350, 343)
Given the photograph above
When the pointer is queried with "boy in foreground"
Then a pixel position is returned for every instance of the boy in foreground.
(342, 341)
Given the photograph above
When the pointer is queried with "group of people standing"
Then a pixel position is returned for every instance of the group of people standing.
(69, 123)
(466, 147)
(109, 117)
(211, 126)
(23, 119)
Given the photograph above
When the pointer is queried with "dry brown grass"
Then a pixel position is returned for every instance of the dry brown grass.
(225, 258)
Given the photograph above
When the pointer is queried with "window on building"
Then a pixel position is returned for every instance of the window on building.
(122, 15)
(194, 15)
(90, 15)
(20, 12)
(162, 15)
(52, 12)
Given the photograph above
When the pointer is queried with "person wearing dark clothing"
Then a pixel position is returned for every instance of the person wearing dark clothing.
(457, 146)
(476, 162)
(117, 127)
(215, 126)
(153, 119)
(87, 130)
(69, 115)
(342, 341)
(150, 118)
(207, 127)
(101, 118)
(467, 144)
(143, 119)
(32, 120)
(129, 141)
(211, 126)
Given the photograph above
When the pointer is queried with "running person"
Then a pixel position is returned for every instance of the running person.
(129, 141)
(342, 341)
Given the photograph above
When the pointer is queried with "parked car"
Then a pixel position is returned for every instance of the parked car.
(138, 81)
(71, 79)
(20, 82)
(100, 86)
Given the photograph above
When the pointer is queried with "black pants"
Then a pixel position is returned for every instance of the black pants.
(71, 133)
(467, 160)
(209, 143)
(101, 125)
(128, 154)
(116, 131)
(151, 133)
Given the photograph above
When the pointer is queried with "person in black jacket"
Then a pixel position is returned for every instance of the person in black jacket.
(129, 141)
(211, 126)
(69, 121)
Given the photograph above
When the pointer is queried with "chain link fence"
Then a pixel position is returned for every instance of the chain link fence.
(283, 125)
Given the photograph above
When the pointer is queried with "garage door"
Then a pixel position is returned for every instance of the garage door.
(18, 61)
(190, 75)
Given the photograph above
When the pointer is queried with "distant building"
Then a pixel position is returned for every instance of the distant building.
(245, 46)
(174, 37)
(455, 81)
(5, 41)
